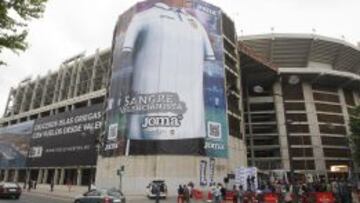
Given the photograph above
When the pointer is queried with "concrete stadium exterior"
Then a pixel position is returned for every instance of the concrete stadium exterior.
(82, 81)
(300, 126)
(304, 126)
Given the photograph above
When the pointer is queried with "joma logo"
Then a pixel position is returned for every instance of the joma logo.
(162, 121)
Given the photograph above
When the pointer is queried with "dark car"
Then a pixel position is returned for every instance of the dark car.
(101, 196)
(8, 190)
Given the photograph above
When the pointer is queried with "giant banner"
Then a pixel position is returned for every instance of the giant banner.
(167, 87)
(14, 144)
(66, 139)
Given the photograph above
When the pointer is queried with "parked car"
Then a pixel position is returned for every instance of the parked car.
(8, 190)
(101, 196)
(152, 187)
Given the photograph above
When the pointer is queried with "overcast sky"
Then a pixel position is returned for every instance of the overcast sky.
(73, 26)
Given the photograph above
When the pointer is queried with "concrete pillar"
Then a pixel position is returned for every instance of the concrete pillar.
(314, 129)
(93, 71)
(24, 99)
(6, 175)
(78, 176)
(45, 176)
(346, 115)
(345, 111)
(62, 177)
(55, 176)
(10, 97)
(16, 175)
(34, 95)
(40, 175)
(17, 100)
(27, 177)
(45, 88)
(281, 123)
(357, 102)
(356, 98)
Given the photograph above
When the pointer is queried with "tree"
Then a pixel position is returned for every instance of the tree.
(14, 15)
(355, 133)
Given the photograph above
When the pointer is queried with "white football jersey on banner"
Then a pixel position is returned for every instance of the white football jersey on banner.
(169, 48)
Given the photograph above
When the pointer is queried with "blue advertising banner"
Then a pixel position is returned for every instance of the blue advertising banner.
(214, 82)
(14, 144)
(167, 92)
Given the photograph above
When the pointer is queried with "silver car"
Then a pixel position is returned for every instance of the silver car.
(101, 196)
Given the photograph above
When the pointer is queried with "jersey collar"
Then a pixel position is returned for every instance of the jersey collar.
(162, 6)
(166, 7)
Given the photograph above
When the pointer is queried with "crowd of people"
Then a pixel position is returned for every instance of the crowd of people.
(297, 191)
(185, 192)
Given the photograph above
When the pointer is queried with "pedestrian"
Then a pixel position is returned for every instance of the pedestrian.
(52, 185)
(69, 184)
(186, 194)
(29, 185)
(344, 192)
(180, 191)
(34, 184)
(235, 192)
(217, 194)
(157, 193)
(288, 196)
(212, 191)
(223, 192)
(191, 188)
(241, 194)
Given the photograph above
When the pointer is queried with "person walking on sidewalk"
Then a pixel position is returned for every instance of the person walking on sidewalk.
(69, 184)
(157, 193)
(52, 185)
(186, 194)
(180, 191)
(217, 194)
(241, 194)
(235, 192)
(29, 185)
(34, 184)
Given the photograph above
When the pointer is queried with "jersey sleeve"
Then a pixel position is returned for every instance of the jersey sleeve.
(209, 54)
(132, 33)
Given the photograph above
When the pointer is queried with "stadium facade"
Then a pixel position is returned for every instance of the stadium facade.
(283, 101)
(302, 123)
(61, 113)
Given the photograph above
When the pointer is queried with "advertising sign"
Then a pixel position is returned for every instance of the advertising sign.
(167, 91)
(14, 144)
(66, 139)
(203, 174)
(212, 171)
(247, 177)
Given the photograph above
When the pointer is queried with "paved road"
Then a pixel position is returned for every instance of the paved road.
(25, 198)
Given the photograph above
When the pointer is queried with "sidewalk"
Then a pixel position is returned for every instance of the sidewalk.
(60, 191)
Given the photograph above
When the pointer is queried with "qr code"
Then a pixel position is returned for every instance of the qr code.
(113, 131)
(35, 152)
(214, 130)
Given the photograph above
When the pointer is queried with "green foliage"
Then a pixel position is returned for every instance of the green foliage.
(14, 15)
(355, 133)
